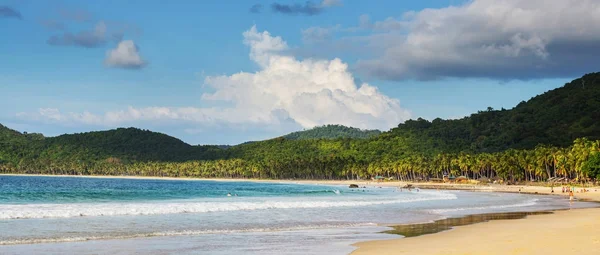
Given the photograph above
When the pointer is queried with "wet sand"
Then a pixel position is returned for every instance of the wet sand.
(419, 229)
(561, 232)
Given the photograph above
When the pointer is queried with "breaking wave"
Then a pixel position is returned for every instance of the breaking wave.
(531, 202)
(177, 233)
(36, 211)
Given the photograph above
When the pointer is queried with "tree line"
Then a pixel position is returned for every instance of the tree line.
(551, 135)
(579, 162)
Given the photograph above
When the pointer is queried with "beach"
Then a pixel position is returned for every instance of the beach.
(557, 233)
(562, 232)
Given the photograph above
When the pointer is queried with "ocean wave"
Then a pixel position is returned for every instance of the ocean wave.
(312, 192)
(178, 233)
(531, 202)
(36, 211)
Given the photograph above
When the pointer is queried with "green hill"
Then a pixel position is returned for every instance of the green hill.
(556, 118)
(122, 144)
(536, 139)
(332, 132)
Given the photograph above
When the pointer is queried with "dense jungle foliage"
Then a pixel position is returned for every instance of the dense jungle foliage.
(332, 132)
(555, 134)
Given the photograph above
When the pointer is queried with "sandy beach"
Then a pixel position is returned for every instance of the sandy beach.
(558, 233)
(563, 232)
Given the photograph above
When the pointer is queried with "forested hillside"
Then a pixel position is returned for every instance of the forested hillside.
(122, 145)
(555, 134)
(556, 117)
(332, 132)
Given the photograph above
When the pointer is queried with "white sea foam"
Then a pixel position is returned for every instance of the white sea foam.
(531, 202)
(178, 233)
(34, 211)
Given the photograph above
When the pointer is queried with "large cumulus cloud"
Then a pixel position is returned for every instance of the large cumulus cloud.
(284, 92)
(501, 39)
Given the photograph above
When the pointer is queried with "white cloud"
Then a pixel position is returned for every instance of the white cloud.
(285, 92)
(310, 92)
(503, 39)
(125, 55)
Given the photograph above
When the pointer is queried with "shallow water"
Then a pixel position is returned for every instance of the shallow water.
(419, 229)
(68, 215)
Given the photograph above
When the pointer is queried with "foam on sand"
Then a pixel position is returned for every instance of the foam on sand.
(531, 202)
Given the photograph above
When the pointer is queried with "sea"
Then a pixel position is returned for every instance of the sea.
(78, 215)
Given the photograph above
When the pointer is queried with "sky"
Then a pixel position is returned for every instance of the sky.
(225, 72)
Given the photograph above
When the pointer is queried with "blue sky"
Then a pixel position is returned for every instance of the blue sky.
(215, 72)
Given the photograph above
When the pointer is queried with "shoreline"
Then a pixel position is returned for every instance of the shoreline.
(523, 189)
(573, 230)
(542, 232)
(559, 232)
(300, 181)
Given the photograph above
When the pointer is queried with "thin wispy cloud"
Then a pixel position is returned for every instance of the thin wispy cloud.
(9, 12)
(307, 8)
(94, 38)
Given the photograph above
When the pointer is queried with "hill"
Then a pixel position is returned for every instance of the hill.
(332, 132)
(556, 118)
(121, 144)
(535, 140)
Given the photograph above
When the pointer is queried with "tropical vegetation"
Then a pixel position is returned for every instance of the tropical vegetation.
(332, 132)
(555, 134)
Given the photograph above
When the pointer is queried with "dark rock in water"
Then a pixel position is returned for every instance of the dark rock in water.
(353, 186)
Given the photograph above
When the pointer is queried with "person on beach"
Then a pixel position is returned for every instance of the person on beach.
(571, 195)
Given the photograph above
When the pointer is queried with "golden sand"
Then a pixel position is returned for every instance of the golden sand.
(563, 232)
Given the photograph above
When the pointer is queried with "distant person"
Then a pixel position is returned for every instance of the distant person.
(228, 194)
(551, 189)
(571, 197)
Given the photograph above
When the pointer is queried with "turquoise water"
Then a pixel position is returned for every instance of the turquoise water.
(72, 215)
(27, 189)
